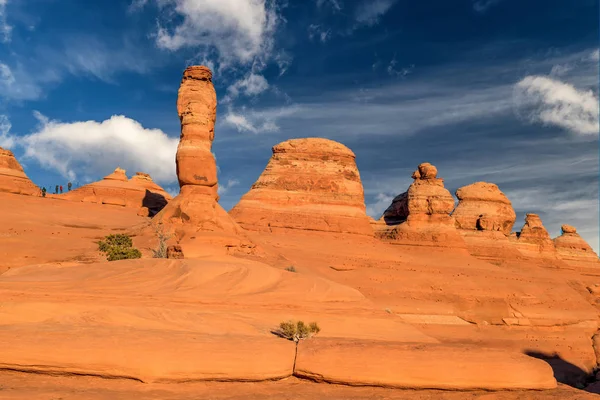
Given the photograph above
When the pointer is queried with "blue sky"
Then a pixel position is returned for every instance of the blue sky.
(503, 91)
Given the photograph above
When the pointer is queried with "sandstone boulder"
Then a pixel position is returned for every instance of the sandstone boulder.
(12, 177)
(198, 222)
(309, 184)
(421, 215)
(572, 247)
(139, 192)
(482, 206)
(175, 252)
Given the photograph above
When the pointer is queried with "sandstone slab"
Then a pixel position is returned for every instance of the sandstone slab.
(13, 178)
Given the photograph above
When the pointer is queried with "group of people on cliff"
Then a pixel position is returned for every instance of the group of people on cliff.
(57, 189)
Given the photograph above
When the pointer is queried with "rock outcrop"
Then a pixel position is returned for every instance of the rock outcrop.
(12, 177)
(571, 247)
(533, 240)
(116, 189)
(194, 216)
(421, 215)
(482, 206)
(309, 184)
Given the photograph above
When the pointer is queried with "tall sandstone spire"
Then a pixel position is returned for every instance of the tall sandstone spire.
(199, 223)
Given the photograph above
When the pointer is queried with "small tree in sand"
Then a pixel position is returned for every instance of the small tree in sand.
(297, 331)
(118, 247)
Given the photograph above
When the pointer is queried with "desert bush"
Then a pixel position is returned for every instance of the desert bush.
(297, 331)
(291, 269)
(118, 247)
(163, 238)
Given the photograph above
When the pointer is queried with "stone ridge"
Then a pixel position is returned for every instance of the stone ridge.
(309, 184)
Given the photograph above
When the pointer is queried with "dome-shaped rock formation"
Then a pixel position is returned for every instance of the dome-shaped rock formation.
(571, 247)
(115, 189)
(12, 177)
(309, 184)
(194, 215)
(482, 206)
(421, 215)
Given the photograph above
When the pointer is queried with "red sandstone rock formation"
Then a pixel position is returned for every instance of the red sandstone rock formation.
(482, 206)
(533, 240)
(115, 189)
(572, 247)
(421, 215)
(12, 177)
(309, 184)
(194, 215)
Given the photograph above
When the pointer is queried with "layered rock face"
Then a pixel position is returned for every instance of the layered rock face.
(12, 177)
(309, 184)
(421, 215)
(571, 247)
(194, 216)
(116, 189)
(482, 206)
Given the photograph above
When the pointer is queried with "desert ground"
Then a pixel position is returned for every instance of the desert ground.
(433, 301)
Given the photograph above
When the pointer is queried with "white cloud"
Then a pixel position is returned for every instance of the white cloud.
(250, 85)
(481, 6)
(223, 188)
(250, 123)
(15, 85)
(5, 28)
(369, 11)
(94, 148)
(239, 31)
(392, 71)
(551, 102)
(6, 140)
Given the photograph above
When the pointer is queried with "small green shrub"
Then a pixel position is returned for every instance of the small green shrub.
(118, 247)
(297, 331)
(291, 269)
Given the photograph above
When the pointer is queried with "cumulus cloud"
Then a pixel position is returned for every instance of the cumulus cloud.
(91, 148)
(5, 28)
(239, 31)
(548, 101)
(369, 11)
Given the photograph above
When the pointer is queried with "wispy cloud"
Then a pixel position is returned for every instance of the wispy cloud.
(6, 140)
(5, 28)
(250, 85)
(336, 5)
(370, 11)
(481, 6)
(224, 187)
(552, 102)
(91, 148)
(318, 32)
(249, 121)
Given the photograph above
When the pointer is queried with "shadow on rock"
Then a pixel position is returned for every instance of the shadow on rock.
(564, 371)
(154, 202)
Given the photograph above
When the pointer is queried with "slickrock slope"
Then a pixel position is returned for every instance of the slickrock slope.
(572, 247)
(482, 206)
(12, 177)
(309, 184)
(421, 215)
(485, 217)
(115, 189)
(194, 216)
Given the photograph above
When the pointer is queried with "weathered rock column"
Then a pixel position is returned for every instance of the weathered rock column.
(197, 109)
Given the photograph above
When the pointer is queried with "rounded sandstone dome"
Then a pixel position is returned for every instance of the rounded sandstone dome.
(482, 191)
(313, 146)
